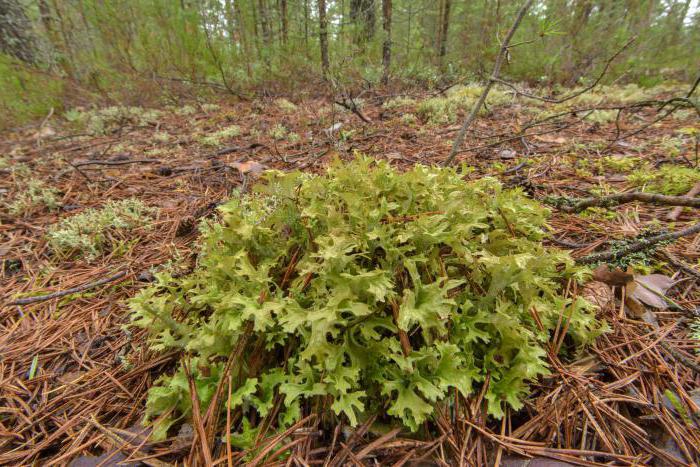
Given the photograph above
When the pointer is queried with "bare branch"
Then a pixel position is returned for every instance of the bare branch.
(575, 94)
(494, 76)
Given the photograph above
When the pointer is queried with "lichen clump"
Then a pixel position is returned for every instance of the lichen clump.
(441, 110)
(368, 291)
(35, 194)
(90, 232)
(108, 119)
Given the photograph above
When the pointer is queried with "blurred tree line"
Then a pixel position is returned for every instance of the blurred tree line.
(108, 46)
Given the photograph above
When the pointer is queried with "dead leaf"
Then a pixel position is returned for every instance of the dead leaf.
(71, 377)
(506, 154)
(616, 277)
(45, 132)
(634, 307)
(249, 167)
(598, 293)
(551, 139)
(651, 290)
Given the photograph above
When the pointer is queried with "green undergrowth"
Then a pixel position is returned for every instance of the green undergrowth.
(91, 232)
(26, 94)
(668, 179)
(321, 276)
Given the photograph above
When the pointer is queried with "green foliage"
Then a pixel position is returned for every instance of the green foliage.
(92, 231)
(34, 195)
(669, 179)
(326, 272)
(25, 93)
(216, 138)
(108, 119)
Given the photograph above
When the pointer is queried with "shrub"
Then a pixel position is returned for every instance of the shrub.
(366, 289)
(34, 195)
(669, 179)
(90, 232)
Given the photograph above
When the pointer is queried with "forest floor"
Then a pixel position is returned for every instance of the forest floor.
(74, 376)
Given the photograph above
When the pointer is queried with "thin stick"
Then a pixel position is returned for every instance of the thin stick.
(125, 162)
(63, 293)
(494, 76)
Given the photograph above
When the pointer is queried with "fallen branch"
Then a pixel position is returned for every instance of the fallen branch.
(492, 80)
(637, 246)
(63, 293)
(623, 198)
(350, 105)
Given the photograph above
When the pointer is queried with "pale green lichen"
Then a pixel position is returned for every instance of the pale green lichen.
(90, 232)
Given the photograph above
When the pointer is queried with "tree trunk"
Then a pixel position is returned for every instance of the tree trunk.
(283, 12)
(444, 28)
(363, 14)
(323, 37)
(386, 48)
(306, 26)
(16, 37)
(242, 39)
(264, 23)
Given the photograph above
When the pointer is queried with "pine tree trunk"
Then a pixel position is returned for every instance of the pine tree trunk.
(16, 37)
(264, 23)
(444, 28)
(283, 12)
(386, 48)
(323, 37)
